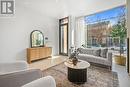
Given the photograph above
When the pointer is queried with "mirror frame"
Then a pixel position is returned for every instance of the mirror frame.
(31, 39)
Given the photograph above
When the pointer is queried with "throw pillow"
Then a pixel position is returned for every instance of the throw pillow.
(80, 50)
(97, 52)
(104, 53)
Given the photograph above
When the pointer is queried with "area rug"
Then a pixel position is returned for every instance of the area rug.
(97, 77)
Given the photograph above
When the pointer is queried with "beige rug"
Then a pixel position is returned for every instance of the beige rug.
(97, 77)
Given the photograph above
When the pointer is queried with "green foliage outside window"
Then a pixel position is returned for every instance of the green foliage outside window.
(119, 30)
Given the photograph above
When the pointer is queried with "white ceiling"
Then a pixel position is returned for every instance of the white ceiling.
(60, 8)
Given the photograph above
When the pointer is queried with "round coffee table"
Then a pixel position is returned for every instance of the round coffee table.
(77, 73)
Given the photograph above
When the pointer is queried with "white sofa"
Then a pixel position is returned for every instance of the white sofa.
(17, 74)
(12, 66)
(88, 55)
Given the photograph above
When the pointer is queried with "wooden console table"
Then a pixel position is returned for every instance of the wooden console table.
(38, 53)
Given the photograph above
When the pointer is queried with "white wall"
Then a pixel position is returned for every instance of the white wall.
(15, 31)
(128, 24)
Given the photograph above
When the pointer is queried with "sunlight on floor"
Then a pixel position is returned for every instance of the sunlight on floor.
(123, 76)
(47, 63)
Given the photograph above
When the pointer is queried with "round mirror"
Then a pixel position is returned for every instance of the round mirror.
(37, 39)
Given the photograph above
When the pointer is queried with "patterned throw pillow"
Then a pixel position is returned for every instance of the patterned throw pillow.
(104, 53)
(80, 50)
(97, 52)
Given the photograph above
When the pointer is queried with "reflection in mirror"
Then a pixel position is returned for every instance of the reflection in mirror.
(37, 39)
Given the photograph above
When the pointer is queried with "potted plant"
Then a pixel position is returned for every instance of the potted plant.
(73, 56)
(119, 30)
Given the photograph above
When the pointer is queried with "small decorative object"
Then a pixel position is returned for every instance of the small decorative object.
(46, 38)
(74, 61)
(73, 57)
(46, 41)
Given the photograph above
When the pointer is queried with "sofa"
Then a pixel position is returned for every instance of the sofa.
(99, 56)
(7, 67)
(17, 74)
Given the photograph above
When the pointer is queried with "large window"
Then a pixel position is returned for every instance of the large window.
(106, 29)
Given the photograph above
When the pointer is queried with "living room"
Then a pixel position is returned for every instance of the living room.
(48, 18)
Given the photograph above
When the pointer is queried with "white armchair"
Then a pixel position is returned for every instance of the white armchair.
(47, 81)
(13, 66)
(17, 74)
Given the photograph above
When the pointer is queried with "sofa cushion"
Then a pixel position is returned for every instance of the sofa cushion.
(104, 53)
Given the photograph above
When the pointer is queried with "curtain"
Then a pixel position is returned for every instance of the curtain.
(80, 32)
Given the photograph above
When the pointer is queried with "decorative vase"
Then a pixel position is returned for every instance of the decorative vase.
(74, 61)
(73, 56)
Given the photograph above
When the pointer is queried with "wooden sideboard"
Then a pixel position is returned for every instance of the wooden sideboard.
(38, 53)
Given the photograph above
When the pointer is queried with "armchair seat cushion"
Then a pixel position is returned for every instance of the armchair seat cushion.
(17, 79)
